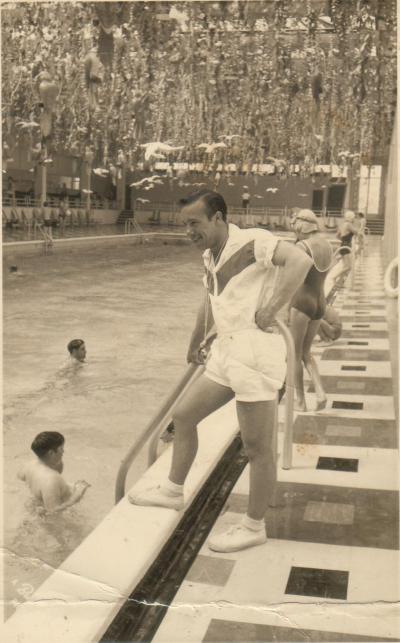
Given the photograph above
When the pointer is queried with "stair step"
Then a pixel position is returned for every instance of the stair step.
(124, 215)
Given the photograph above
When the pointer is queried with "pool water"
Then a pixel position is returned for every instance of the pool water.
(135, 308)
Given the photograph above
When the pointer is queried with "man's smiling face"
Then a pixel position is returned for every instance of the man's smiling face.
(199, 228)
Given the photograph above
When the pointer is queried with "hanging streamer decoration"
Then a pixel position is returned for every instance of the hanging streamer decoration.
(289, 80)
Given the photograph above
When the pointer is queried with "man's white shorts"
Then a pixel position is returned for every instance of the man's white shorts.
(250, 362)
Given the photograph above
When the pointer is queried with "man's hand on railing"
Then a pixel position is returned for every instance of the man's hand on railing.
(265, 319)
(198, 354)
(195, 356)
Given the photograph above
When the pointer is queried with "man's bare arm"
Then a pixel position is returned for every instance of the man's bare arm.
(53, 492)
(294, 264)
(202, 327)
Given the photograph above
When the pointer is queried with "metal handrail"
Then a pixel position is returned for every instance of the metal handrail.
(289, 395)
(56, 202)
(163, 416)
(152, 454)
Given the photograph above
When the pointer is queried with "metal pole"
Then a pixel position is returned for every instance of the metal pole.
(153, 446)
(151, 427)
(89, 184)
(353, 264)
(43, 197)
(290, 365)
(273, 502)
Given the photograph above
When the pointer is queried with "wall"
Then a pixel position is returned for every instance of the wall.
(390, 238)
(295, 192)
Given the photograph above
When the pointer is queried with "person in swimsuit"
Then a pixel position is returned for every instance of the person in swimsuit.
(308, 304)
(361, 224)
(345, 233)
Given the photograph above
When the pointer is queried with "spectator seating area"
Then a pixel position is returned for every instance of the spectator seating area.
(31, 220)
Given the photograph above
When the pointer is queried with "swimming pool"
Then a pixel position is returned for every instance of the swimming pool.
(135, 307)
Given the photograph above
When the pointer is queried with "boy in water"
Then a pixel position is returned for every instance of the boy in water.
(44, 478)
(77, 349)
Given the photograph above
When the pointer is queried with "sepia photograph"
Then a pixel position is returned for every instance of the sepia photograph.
(200, 437)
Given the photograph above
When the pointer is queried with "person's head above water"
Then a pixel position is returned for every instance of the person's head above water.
(204, 214)
(304, 223)
(77, 349)
(49, 447)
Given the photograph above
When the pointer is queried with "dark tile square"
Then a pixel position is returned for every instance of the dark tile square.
(370, 318)
(338, 464)
(353, 368)
(376, 515)
(211, 571)
(355, 385)
(355, 343)
(354, 406)
(324, 583)
(355, 355)
(221, 631)
(371, 432)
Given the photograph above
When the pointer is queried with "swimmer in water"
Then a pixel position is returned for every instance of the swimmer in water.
(77, 350)
(43, 476)
(308, 304)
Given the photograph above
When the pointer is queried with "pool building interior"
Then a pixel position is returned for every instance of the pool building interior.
(119, 271)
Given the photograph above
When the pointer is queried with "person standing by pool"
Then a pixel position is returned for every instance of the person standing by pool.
(245, 198)
(308, 304)
(361, 225)
(62, 215)
(345, 234)
(43, 476)
(47, 222)
(241, 269)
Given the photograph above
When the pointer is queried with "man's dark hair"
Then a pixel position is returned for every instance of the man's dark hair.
(74, 344)
(361, 215)
(47, 441)
(213, 201)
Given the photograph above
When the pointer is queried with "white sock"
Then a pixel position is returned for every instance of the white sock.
(253, 525)
(172, 488)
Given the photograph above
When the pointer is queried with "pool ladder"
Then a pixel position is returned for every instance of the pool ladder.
(131, 225)
(161, 420)
(47, 240)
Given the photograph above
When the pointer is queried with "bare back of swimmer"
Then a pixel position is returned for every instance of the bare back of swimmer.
(310, 298)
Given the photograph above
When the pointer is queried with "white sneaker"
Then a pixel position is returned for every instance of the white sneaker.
(236, 538)
(157, 497)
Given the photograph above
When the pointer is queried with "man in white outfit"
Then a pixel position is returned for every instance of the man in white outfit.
(245, 362)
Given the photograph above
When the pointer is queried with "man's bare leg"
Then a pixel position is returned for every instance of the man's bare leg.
(202, 399)
(311, 365)
(256, 420)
